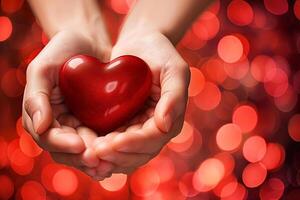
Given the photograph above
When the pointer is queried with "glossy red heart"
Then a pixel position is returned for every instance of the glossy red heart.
(104, 96)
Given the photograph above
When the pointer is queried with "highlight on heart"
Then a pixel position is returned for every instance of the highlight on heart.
(149, 99)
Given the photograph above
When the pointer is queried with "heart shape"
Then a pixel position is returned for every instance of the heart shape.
(104, 96)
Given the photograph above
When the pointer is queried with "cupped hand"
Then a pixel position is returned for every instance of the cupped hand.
(162, 117)
(44, 113)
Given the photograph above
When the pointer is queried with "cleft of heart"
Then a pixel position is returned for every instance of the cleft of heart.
(104, 96)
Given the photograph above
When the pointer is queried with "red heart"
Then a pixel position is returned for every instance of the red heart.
(105, 95)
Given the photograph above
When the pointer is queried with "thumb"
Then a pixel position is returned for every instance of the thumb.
(36, 97)
(174, 81)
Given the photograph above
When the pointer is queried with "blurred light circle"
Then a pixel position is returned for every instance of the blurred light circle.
(230, 49)
(197, 81)
(6, 28)
(209, 98)
(191, 41)
(274, 156)
(276, 7)
(213, 69)
(65, 182)
(10, 84)
(240, 12)
(28, 146)
(206, 26)
(245, 116)
(226, 187)
(254, 174)
(228, 162)
(278, 84)
(246, 45)
(229, 137)
(263, 68)
(237, 70)
(208, 175)
(239, 194)
(215, 7)
(186, 185)
(12, 146)
(32, 190)
(47, 174)
(11, 6)
(184, 140)
(114, 183)
(144, 181)
(297, 9)
(20, 163)
(294, 127)
(272, 189)
(287, 101)
(3, 153)
(7, 187)
(165, 165)
(254, 149)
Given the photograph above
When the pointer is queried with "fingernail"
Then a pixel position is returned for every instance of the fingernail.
(167, 123)
(36, 120)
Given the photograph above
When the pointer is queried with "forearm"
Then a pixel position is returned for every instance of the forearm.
(72, 15)
(170, 17)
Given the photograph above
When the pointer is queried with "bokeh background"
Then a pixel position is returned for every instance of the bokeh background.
(242, 128)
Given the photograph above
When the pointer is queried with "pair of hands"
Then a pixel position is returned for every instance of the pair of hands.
(55, 129)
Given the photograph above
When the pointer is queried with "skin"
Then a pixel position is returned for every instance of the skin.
(144, 35)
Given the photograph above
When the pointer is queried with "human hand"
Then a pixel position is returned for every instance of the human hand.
(44, 113)
(141, 139)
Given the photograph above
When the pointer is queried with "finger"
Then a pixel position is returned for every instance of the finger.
(104, 169)
(68, 159)
(148, 140)
(120, 158)
(36, 98)
(88, 136)
(61, 140)
(174, 86)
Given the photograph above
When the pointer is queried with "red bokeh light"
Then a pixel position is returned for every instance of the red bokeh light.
(47, 175)
(11, 6)
(3, 154)
(143, 188)
(237, 70)
(277, 7)
(230, 49)
(207, 26)
(254, 149)
(209, 98)
(184, 140)
(239, 194)
(213, 69)
(254, 175)
(278, 84)
(10, 84)
(28, 146)
(294, 127)
(208, 175)
(263, 68)
(7, 187)
(114, 183)
(226, 187)
(6, 28)
(228, 162)
(274, 156)
(240, 12)
(245, 116)
(65, 182)
(197, 81)
(33, 190)
(229, 137)
(297, 9)
(21, 163)
(186, 185)
(166, 167)
(272, 189)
